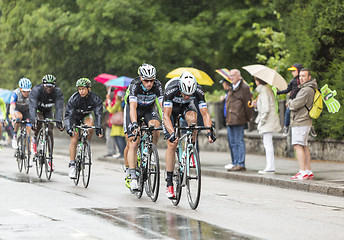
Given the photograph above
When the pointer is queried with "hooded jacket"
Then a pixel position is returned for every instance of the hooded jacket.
(299, 115)
(293, 86)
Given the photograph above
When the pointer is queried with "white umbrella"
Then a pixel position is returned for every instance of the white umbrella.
(268, 75)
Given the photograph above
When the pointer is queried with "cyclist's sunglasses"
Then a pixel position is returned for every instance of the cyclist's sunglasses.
(148, 79)
(48, 85)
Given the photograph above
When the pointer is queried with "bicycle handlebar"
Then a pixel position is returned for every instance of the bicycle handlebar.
(22, 121)
(85, 127)
(150, 129)
(48, 120)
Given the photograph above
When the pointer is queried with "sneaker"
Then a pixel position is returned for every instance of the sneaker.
(285, 131)
(266, 172)
(34, 146)
(298, 176)
(51, 166)
(312, 132)
(72, 171)
(310, 176)
(133, 185)
(127, 181)
(14, 142)
(229, 167)
(170, 192)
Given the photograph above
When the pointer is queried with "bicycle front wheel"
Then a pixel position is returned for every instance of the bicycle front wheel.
(177, 181)
(153, 174)
(20, 152)
(86, 164)
(26, 154)
(48, 157)
(39, 155)
(193, 178)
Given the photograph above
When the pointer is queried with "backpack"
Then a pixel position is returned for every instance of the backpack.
(317, 106)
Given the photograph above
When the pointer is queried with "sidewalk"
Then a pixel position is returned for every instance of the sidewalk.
(328, 176)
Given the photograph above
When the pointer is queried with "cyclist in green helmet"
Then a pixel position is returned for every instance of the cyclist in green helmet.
(79, 111)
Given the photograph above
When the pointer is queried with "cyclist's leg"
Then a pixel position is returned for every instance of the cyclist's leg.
(89, 121)
(152, 118)
(190, 116)
(17, 115)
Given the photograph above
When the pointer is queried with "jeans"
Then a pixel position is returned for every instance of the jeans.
(229, 145)
(120, 141)
(287, 117)
(237, 144)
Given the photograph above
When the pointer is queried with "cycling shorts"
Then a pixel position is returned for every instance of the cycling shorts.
(26, 115)
(147, 113)
(176, 110)
(46, 114)
(78, 120)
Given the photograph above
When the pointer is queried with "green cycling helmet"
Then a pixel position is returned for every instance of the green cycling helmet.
(49, 79)
(83, 82)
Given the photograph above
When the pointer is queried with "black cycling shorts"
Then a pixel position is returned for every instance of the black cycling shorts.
(176, 110)
(147, 113)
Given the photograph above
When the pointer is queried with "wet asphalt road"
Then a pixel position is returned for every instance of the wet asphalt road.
(32, 208)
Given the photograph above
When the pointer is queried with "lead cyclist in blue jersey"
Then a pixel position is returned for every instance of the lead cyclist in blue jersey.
(179, 99)
(141, 104)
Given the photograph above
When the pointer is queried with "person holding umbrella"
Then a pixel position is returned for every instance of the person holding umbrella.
(267, 122)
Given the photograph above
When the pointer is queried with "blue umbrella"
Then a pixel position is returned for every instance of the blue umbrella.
(5, 94)
(120, 82)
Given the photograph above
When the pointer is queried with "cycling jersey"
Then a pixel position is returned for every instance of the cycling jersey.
(22, 103)
(2, 110)
(79, 107)
(144, 98)
(42, 101)
(173, 96)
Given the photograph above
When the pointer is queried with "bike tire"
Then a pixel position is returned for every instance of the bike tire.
(20, 152)
(153, 174)
(48, 150)
(27, 156)
(177, 182)
(193, 178)
(86, 164)
(39, 155)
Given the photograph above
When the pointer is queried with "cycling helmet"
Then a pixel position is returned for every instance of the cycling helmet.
(147, 71)
(188, 83)
(25, 84)
(49, 79)
(83, 82)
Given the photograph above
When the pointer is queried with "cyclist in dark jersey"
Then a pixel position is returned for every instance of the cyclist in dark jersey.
(140, 104)
(19, 107)
(41, 101)
(179, 99)
(79, 111)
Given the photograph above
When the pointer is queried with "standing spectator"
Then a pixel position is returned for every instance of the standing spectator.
(110, 142)
(117, 132)
(226, 86)
(293, 88)
(301, 124)
(268, 122)
(238, 115)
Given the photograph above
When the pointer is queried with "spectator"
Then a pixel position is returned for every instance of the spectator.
(293, 88)
(226, 86)
(110, 142)
(117, 132)
(238, 115)
(267, 121)
(301, 124)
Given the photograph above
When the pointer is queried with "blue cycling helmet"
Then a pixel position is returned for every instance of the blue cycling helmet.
(25, 84)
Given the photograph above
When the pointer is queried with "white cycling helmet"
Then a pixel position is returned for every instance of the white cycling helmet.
(188, 83)
(147, 71)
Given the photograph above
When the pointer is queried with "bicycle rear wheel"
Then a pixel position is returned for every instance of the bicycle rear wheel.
(177, 182)
(39, 155)
(20, 152)
(193, 178)
(26, 154)
(86, 164)
(48, 157)
(77, 170)
(153, 174)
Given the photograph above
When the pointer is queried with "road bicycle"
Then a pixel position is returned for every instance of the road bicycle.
(23, 151)
(148, 167)
(188, 168)
(83, 160)
(44, 155)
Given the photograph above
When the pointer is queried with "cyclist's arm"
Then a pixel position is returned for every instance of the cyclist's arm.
(59, 105)
(3, 107)
(206, 117)
(33, 104)
(13, 101)
(133, 113)
(167, 118)
(98, 110)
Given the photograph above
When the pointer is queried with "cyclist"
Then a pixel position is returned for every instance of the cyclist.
(19, 107)
(143, 91)
(179, 99)
(2, 115)
(42, 98)
(79, 111)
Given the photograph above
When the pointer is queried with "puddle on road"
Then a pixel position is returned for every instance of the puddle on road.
(156, 224)
(20, 177)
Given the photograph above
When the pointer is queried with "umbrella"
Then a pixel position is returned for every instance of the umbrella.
(104, 77)
(5, 94)
(120, 82)
(201, 77)
(268, 75)
(224, 72)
